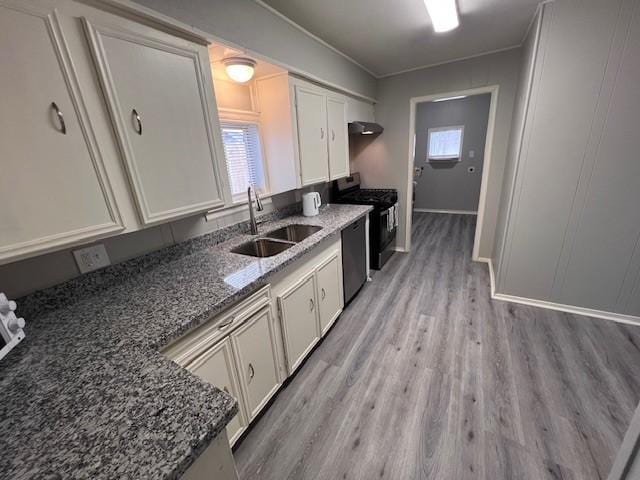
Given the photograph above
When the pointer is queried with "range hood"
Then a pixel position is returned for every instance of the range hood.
(365, 128)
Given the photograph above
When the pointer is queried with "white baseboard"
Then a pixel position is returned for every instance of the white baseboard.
(455, 212)
(560, 307)
(491, 275)
(399, 249)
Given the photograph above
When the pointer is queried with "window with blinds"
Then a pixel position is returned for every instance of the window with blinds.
(445, 143)
(243, 155)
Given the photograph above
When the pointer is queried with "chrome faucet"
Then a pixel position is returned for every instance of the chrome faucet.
(252, 216)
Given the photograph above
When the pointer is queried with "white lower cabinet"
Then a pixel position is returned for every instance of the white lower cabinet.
(309, 299)
(238, 351)
(217, 366)
(215, 463)
(330, 298)
(254, 346)
(244, 349)
(299, 313)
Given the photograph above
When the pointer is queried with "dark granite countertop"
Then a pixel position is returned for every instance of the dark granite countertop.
(87, 395)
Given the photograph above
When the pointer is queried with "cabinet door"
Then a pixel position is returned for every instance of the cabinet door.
(255, 351)
(217, 367)
(338, 139)
(163, 118)
(311, 108)
(298, 307)
(330, 299)
(53, 188)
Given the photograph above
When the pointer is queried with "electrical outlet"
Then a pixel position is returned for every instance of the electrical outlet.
(91, 258)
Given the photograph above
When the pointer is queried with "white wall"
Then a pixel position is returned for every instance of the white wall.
(249, 25)
(383, 163)
(573, 231)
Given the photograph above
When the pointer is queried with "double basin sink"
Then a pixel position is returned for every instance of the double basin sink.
(277, 241)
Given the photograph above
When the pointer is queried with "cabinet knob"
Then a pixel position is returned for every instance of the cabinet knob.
(321, 132)
(324, 294)
(333, 135)
(252, 372)
(311, 304)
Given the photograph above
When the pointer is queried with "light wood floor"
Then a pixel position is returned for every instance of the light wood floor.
(425, 377)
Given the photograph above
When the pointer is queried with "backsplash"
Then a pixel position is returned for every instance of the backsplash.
(86, 285)
(45, 271)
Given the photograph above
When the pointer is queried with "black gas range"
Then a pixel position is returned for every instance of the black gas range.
(383, 220)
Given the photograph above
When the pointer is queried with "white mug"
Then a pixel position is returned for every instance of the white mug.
(311, 204)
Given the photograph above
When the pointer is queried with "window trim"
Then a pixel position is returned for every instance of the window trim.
(437, 158)
(242, 118)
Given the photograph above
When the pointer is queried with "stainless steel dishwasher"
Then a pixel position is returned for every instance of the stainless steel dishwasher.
(354, 258)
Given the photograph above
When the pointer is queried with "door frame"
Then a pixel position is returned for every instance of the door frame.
(486, 165)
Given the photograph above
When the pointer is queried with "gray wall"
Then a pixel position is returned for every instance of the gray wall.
(384, 163)
(573, 231)
(249, 25)
(525, 80)
(449, 185)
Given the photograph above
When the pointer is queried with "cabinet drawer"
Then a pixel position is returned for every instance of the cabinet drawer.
(217, 367)
(194, 343)
(255, 352)
(330, 298)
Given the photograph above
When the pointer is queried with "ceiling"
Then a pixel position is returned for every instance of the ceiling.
(387, 36)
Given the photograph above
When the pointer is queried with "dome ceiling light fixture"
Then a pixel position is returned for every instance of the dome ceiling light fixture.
(239, 69)
(443, 13)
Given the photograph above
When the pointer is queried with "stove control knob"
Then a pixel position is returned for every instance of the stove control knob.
(15, 324)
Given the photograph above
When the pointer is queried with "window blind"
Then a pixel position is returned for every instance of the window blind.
(243, 156)
(444, 143)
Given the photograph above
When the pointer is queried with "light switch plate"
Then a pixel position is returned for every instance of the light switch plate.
(91, 258)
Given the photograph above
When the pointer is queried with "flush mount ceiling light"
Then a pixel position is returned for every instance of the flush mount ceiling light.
(458, 97)
(443, 13)
(239, 69)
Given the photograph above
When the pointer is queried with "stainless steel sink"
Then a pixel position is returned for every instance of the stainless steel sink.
(262, 247)
(293, 233)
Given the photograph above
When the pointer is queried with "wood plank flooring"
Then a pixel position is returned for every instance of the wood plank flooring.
(425, 377)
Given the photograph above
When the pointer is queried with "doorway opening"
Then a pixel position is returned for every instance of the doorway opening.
(449, 155)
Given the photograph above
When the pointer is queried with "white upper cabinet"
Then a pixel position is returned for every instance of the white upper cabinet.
(53, 187)
(159, 93)
(305, 131)
(311, 108)
(338, 138)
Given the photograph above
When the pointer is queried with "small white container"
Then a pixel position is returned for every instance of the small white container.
(311, 204)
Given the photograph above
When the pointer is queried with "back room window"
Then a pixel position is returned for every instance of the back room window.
(445, 143)
(243, 155)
